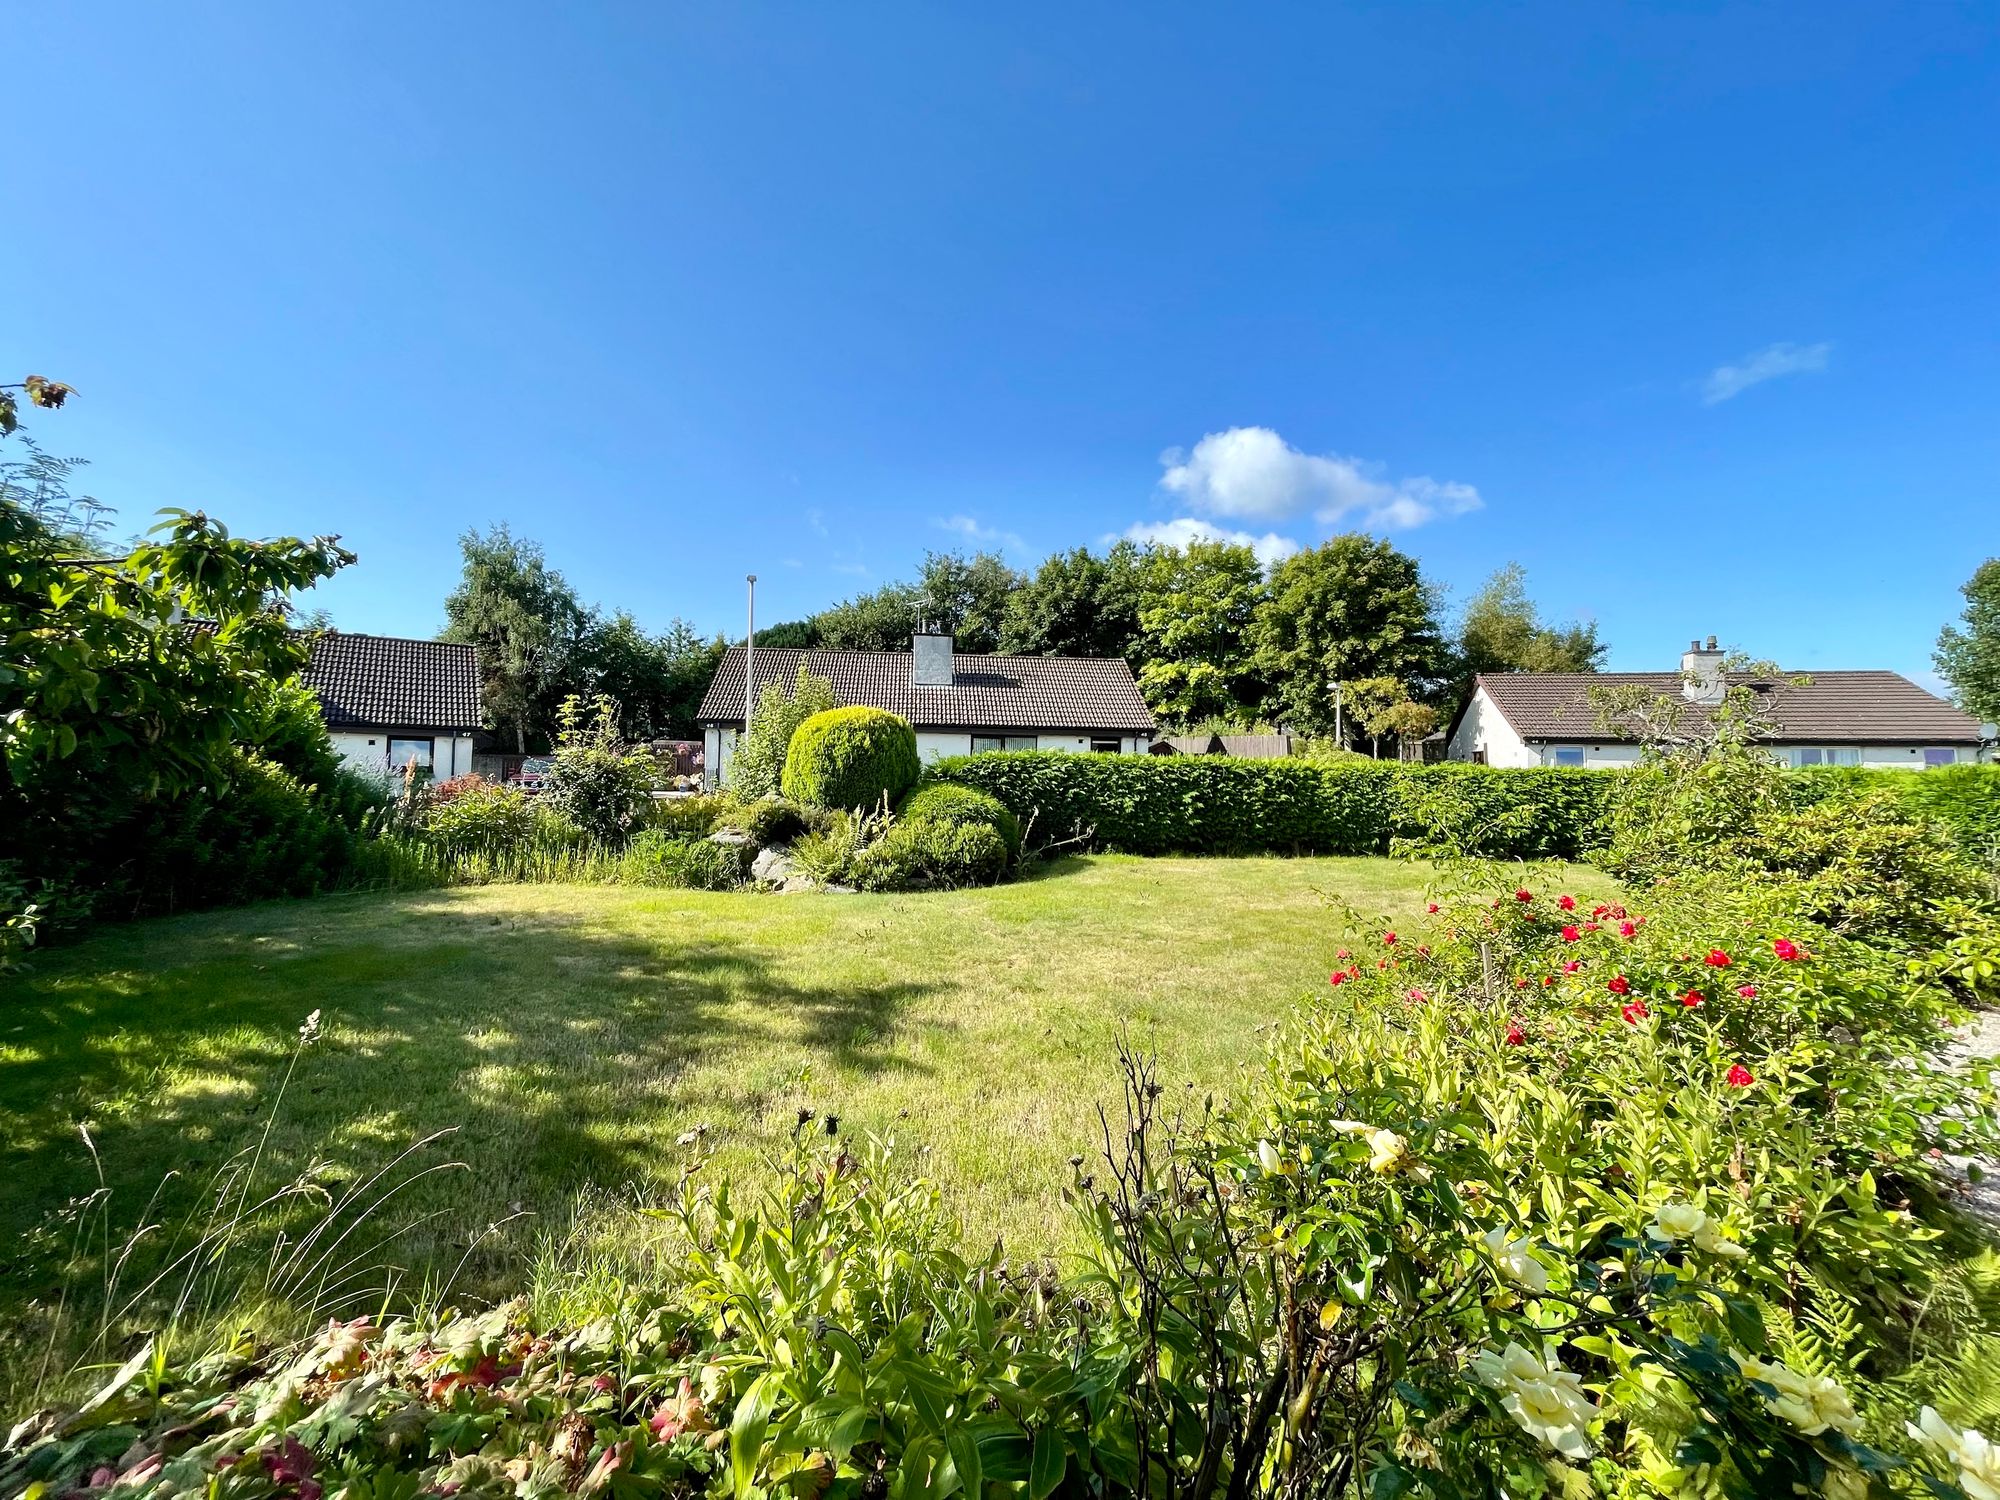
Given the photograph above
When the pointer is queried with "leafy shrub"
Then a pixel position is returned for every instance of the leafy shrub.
(657, 857)
(688, 815)
(1146, 804)
(758, 766)
(932, 854)
(833, 853)
(851, 757)
(1965, 799)
(770, 820)
(946, 802)
(470, 815)
(595, 780)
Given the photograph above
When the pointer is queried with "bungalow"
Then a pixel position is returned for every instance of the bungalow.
(389, 701)
(958, 705)
(1830, 719)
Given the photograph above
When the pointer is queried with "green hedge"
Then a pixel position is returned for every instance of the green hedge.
(846, 758)
(1146, 804)
(962, 806)
(1966, 799)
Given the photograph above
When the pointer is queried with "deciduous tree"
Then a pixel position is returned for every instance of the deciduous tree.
(528, 625)
(1968, 656)
(1079, 604)
(1500, 632)
(1196, 607)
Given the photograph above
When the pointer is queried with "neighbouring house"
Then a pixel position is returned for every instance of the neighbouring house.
(1826, 719)
(958, 705)
(389, 701)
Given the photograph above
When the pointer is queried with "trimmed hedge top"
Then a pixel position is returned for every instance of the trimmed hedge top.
(850, 757)
(962, 806)
(1146, 804)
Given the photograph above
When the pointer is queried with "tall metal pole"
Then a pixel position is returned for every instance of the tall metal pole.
(750, 656)
(1339, 738)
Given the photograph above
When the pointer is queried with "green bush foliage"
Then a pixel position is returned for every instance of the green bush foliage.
(758, 766)
(770, 820)
(933, 854)
(947, 802)
(1144, 804)
(846, 758)
(470, 815)
(595, 780)
(1964, 799)
(656, 857)
(689, 815)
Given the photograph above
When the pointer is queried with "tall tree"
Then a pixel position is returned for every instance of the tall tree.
(1196, 606)
(789, 633)
(528, 624)
(964, 597)
(1969, 658)
(1500, 632)
(1352, 608)
(1078, 604)
(657, 681)
(880, 621)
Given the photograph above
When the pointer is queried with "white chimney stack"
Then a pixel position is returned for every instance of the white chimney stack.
(1701, 674)
(931, 658)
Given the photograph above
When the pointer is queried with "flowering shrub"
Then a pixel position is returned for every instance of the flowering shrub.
(471, 815)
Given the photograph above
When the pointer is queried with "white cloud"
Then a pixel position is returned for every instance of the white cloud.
(1727, 381)
(816, 519)
(984, 536)
(1270, 547)
(852, 569)
(1252, 473)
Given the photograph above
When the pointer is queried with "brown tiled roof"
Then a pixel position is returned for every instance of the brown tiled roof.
(387, 682)
(1875, 708)
(988, 692)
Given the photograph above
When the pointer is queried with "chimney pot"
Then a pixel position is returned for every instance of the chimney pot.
(1711, 643)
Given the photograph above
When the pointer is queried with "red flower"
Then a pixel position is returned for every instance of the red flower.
(1571, 935)
(1389, 938)
(1634, 1013)
(1786, 949)
(1572, 966)
(1738, 1076)
(1337, 977)
(1419, 996)
(289, 1462)
(1423, 950)
(1717, 959)
(1515, 1035)
(1547, 980)
(1341, 954)
(1354, 971)
(1626, 929)
(1747, 991)
(1691, 999)
(1619, 985)
(1591, 926)
(1432, 908)
(1521, 982)
(1599, 910)
(1567, 903)
(1524, 895)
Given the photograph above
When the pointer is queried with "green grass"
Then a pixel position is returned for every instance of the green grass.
(570, 1033)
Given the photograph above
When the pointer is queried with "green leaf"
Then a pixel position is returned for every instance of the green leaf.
(747, 1428)
(1046, 1464)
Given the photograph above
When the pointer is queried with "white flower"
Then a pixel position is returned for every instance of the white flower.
(1514, 1261)
(1676, 1222)
(1811, 1403)
(1846, 1484)
(1391, 1152)
(1269, 1159)
(1976, 1460)
(1546, 1400)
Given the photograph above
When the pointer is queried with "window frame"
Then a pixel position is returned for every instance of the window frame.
(996, 744)
(1106, 744)
(429, 766)
(1557, 752)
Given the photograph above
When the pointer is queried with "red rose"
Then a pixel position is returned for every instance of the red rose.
(1626, 929)
(1786, 949)
(1571, 935)
(1591, 926)
(1515, 1035)
(1524, 895)
(1634, 1013)
(1432, 908)
(1547, 980)
(1337, 977)
(1717, 959)
(1572, 966)
(1747, 991)
(1567, 903)
(1521, 982)
(1738, 1076)
(1389, 938)
(1691, 999)
(1341, 954)
(1619, 985)
(1419, 996)
(1599, 910)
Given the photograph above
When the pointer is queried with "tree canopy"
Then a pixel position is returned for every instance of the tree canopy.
(1500, 632)
(1196, 608)
(1968, 653)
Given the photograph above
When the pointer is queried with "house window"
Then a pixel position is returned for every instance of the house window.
(406, 752)
(1939, 755)
(1820, 755)
(1479, 757)
(1106, 746)
(982, 743)
(1566, 755)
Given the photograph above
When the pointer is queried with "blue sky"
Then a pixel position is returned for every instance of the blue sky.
(1690, 310)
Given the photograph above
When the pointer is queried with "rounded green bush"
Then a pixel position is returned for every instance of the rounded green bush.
(850, 757)
(934, 855)
(962, 806)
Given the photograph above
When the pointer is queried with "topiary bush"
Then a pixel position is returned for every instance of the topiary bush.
(962, 806)
(851, 757)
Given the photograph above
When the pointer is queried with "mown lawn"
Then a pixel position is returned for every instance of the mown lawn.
(569, 1034)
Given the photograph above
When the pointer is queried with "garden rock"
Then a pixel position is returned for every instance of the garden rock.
(736, 838)
(772, 867)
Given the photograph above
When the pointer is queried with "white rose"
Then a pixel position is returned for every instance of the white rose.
(1514, 1261)
(1976, 1461)
(1678, 1221)
(1811, 1403)
(1269, 1159)
(1546, 1400)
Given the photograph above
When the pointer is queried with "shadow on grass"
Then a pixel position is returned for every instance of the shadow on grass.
(555, 1048)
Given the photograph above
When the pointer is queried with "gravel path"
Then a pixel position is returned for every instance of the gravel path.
(1980, 1037)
